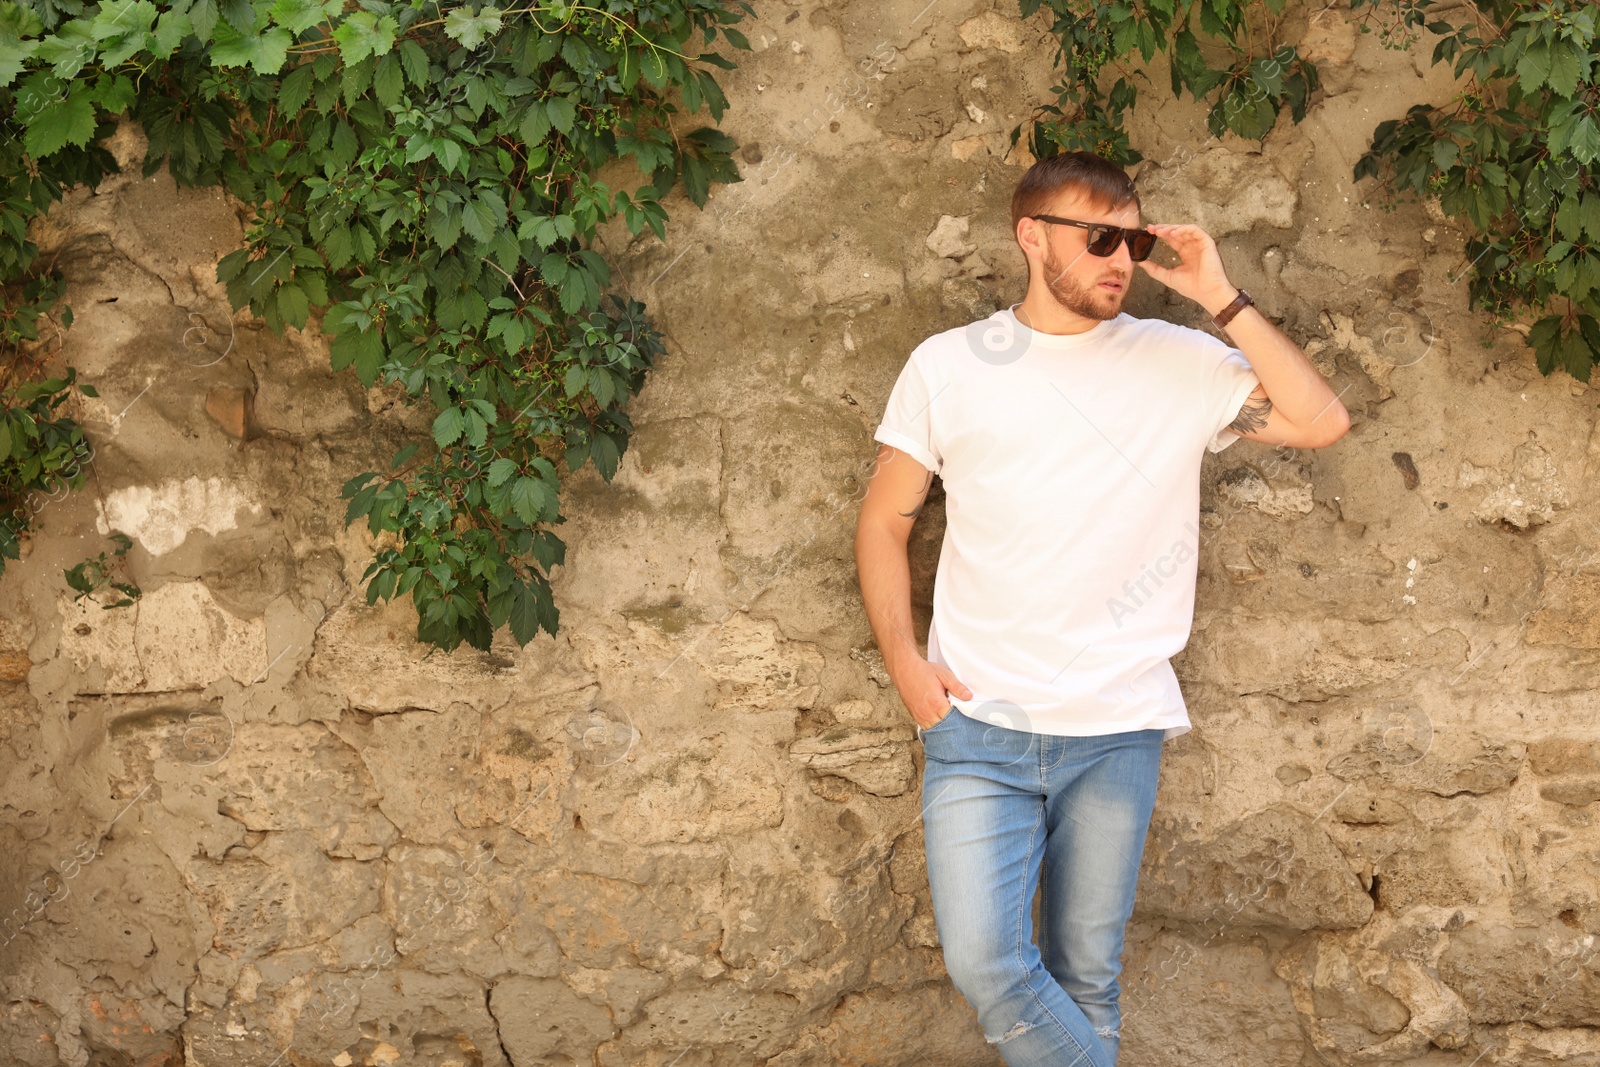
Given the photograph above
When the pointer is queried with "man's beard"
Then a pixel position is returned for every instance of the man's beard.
(1091, 304)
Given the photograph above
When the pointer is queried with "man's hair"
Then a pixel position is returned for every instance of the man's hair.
(1100, 181)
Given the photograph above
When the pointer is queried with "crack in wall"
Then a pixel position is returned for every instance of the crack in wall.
(488, 1006)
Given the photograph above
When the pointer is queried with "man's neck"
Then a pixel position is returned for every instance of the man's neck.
(1048, 316)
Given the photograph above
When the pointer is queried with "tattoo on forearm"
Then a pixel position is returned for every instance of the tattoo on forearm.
(922, 497)
(1252, 416)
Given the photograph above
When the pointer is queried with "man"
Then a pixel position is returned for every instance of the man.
(1069, 436)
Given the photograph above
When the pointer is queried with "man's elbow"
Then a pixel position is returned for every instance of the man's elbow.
(874, 529)
(1329, 427)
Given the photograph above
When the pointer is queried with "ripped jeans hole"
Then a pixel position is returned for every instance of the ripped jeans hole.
(1015, 1031)
(1107, 1031)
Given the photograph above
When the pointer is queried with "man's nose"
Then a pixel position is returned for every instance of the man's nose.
(1122, 259)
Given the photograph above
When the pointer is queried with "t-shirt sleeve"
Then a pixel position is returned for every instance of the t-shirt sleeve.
(1226, 378)
(907, 422)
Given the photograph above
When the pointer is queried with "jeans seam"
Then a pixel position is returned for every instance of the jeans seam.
(1044, 770)
(1022, 912)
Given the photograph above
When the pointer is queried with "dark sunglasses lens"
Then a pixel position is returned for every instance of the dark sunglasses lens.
(1103, 240)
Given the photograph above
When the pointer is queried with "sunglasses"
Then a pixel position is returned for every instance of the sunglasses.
(1104, 239)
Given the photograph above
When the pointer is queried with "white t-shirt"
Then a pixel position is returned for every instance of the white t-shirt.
(1071, 467)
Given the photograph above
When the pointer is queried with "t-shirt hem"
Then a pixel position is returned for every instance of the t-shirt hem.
(908, 446)
(1225, 437)
(1089, 729)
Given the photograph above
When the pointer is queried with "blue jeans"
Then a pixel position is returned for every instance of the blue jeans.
(1002, 807)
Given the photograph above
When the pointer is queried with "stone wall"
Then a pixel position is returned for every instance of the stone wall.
(251, 822)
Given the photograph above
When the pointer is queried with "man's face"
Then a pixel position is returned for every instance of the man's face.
(1074, 277)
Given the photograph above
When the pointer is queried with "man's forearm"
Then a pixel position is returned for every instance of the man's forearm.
(885, 575)
(1295, 387)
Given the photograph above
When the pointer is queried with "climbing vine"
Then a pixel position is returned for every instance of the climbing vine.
(1512, 157)
(424, 185)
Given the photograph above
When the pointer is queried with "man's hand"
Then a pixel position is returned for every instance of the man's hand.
(925, 689)
(1200, 275)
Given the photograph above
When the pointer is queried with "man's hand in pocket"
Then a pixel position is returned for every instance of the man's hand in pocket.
(925, 688)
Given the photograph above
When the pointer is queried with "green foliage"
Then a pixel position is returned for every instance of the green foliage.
(1514, 155)
(93, 575)
(425, 189)
(43, 454)
(1252, 90)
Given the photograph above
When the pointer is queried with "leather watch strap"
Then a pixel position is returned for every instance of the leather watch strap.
(1240, 302)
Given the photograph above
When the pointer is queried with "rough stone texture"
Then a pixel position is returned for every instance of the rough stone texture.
(251, 823)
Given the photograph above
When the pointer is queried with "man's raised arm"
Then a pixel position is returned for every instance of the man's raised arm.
(1293, 405)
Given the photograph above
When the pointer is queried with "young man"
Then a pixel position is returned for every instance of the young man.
(1069, 436)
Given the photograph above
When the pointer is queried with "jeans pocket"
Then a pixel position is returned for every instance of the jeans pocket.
(924, 731)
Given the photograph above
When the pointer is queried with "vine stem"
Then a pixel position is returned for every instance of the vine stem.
(654, 46)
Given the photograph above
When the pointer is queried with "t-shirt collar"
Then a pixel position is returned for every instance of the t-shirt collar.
(1036, 338)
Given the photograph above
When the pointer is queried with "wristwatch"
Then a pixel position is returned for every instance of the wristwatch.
(1239, 303)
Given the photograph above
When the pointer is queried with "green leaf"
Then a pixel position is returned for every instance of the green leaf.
(449, 153)
(1574, 355)
(295, 89)
(535, 124)
(471, 29)
(525, 614)
(1567, 64)
(345, 145)
(548, 549)
(448, 427)
(562, 111)
(14, 53)
(122, 27)
(600, 386)
(527, 497)
(482, 216)
(388, 81)
(1542, 339)
(416, 62)
(1567, 219)
(242, 15)
(53, 128)
(628, 69)
(203, 17)
(363, 34)
(444, 223)
(500, 470)
(1533, 69)
(605, 455)
(263, 53)
(362, 349)
(19, 20)
(293, 305)
(115, 18)
(653, 69)
(114, 94)
(1585, 140)
(1590, 213)
(297, 16)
